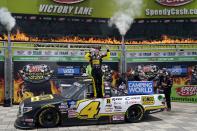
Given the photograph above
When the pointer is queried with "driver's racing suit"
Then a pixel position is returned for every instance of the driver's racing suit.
(96, 63)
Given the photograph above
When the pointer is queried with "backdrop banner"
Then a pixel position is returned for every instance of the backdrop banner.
(101, 8)
(184, 87)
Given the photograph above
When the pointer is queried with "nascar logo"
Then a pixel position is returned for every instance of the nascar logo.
(68, 1)
(173, 2)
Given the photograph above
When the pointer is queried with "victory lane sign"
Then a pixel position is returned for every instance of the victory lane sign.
(65, 7)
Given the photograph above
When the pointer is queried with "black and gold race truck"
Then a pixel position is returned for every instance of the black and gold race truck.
(75, 108)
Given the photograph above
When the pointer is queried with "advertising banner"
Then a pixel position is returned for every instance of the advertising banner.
(69, 71)
(140, 87)
(101, 8)
(57, 55)
(33, 79)
(184, 87)
(185, 93)
(161, 54)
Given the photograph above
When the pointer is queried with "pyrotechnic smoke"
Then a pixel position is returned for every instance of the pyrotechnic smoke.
(124, 17)
(6, 19)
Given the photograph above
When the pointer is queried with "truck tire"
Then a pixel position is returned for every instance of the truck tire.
(48, 117)
(134, 113)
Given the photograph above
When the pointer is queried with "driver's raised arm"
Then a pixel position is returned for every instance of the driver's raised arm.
(107, 54)
(88, 55)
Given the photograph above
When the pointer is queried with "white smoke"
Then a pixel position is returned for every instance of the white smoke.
(128, 10)
(6, 19)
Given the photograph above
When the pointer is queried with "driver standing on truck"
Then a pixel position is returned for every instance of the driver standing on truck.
(95, 58)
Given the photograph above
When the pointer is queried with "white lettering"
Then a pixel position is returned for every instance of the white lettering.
(90, 11)
(141, 87)
(60, 8)
(41, 9)
(80, 12)
(147, 12)
(55, 8)
(83, 11)
(49, 10)
(168, 12)
(65, 9)
(70, 9)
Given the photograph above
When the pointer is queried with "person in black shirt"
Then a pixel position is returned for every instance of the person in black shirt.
(165, 83)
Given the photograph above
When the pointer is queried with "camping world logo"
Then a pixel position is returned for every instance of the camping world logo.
(173, 2)
(68, 1)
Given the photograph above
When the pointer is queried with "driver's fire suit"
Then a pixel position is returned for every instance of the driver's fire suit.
(96, 63)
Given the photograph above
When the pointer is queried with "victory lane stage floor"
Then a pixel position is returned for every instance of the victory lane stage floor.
(183, 117)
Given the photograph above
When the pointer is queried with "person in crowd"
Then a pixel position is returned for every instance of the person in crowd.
(121, 83)
(130, 74)
(95, 58)
(165, 83)
(193, 80)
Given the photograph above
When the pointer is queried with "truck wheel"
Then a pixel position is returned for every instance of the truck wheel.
(134, 113)
(49, 118)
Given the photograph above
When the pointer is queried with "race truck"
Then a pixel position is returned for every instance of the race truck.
(76, 107)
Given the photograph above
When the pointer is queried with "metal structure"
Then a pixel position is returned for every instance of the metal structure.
(8, 71)
(123, 56)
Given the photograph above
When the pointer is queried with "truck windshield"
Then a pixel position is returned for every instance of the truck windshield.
(74, 91)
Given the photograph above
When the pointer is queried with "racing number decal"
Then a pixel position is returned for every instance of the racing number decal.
(91, 110)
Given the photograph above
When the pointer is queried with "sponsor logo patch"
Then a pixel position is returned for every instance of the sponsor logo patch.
(72, 104)
(108, 109)
(130, 102)
(41, 98)
(148, 100)
(118, 117)
(132, 98)
(116, 99)
(72, 113)
(108, 101)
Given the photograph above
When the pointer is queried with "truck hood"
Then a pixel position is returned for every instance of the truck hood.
(42, 100)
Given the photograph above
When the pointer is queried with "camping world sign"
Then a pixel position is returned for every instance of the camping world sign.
(140, 87)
